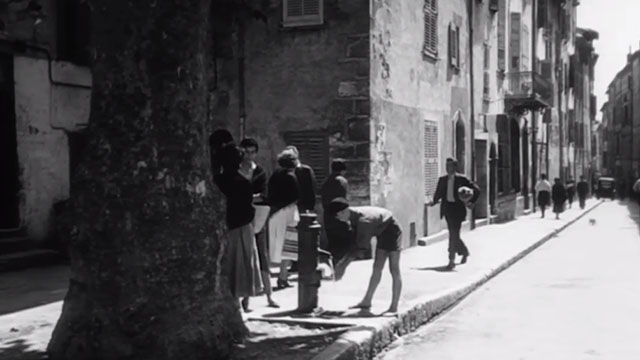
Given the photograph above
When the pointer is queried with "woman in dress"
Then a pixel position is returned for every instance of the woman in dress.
(241, 252)
(283, 195)
(558, 196)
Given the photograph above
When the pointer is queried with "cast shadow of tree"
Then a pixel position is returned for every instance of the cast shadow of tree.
(20, 350)
(634, 212)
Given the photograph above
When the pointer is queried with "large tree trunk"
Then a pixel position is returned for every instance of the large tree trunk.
(147, 280)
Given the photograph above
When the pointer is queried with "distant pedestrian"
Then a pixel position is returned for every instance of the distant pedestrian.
(583, 191)
(571, 191)
(367, 222)
(636, 190)
(241, 254)
(258, 177)
(283, 196)
(336, 186)
(558, 196)
(307, 186)
(453, 208)
(543, 193)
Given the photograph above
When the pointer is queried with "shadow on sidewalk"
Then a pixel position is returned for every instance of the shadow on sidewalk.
(634, 211)
(442, 268)
(19, 350)
(31, 288)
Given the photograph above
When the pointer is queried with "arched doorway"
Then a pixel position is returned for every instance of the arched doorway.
(514, 143)
(493, 175)
(460, 141)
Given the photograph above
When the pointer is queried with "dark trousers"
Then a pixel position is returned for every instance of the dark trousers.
(456, 245)
(583, 200)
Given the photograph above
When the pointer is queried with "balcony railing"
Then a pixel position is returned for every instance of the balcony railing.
(527, 84)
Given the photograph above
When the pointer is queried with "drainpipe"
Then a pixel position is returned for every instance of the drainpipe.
(534, 114)
(470, 4)
(242, 111)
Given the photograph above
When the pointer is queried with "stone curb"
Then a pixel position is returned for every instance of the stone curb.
(365, 342)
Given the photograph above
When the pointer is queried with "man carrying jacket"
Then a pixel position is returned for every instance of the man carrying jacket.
(453, 209)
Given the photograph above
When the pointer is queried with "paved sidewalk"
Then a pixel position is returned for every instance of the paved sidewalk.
(428, 290)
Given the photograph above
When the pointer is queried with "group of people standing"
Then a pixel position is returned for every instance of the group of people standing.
(560, 194)
(262, 214)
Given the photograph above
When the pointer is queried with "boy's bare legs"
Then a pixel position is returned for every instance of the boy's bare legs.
(394, 269)
(378, 265)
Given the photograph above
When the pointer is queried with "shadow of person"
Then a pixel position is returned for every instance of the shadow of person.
(443, 268)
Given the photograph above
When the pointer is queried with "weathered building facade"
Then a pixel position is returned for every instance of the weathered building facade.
(45, 99)
(621, 122)
(396, 88)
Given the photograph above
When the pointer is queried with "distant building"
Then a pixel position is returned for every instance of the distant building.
(621, 121)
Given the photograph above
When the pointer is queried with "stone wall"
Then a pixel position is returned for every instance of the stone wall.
(300, 79)
(407, 89)
(43, 113)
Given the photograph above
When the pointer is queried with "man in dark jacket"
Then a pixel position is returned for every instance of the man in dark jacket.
(583, 191)
(307, 187)
(453, 209)
(336, 186)
(306, 182)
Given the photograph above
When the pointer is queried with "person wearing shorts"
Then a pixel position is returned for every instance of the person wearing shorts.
(367, 222)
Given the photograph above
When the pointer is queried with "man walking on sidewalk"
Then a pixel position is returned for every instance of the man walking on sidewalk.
(583, 191)
(453, 208)
(367, 222)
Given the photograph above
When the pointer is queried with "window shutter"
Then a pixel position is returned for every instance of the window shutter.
(431, 167)
(514, 44)
(430, 46)
(486, 85)
(502, 28)
(302, 12)
(452, 47)
(542, 13)
(313, 147)
(311, 7)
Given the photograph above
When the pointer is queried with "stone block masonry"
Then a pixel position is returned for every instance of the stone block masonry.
(353, 142)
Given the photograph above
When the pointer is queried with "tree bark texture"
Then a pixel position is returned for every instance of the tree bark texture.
(146, 262)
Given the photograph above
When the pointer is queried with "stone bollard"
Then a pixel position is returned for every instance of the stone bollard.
(309, 277)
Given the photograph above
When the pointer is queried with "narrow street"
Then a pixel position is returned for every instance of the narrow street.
(577, 297)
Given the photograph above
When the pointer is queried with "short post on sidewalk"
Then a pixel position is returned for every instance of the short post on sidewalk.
(309, 277)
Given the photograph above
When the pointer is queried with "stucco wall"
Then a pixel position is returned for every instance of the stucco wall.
(406, 89)
(42, 111)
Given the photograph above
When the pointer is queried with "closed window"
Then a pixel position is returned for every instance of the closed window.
(430, 47)
(454, 46)
(313, 147)
(431, 167)
(302, 12)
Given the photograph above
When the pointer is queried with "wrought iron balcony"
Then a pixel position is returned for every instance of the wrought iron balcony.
(527, 90)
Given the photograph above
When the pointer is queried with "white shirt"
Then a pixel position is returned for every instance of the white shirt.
(450, 189)
(543, 185)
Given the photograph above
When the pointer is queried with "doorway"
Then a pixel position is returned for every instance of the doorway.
(9, 177)
(493, 177)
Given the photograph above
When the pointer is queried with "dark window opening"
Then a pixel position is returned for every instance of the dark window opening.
(313, 147)
(74, 32)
